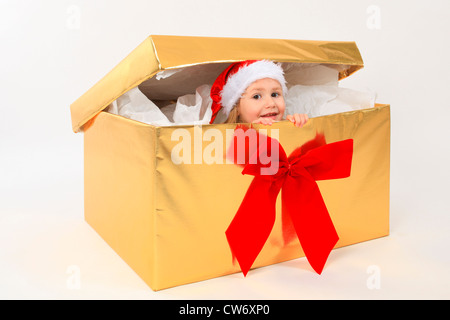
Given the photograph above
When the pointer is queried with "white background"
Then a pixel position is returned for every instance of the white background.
(51, 52)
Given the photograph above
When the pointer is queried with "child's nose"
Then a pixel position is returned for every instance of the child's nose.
(270, 102)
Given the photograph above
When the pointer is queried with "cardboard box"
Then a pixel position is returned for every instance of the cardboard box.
(167, 220)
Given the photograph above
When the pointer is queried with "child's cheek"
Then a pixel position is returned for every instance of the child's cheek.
(282, 108)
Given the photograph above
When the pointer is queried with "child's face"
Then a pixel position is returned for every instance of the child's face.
(262, 99)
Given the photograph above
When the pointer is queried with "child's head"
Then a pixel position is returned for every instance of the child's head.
(249, 90)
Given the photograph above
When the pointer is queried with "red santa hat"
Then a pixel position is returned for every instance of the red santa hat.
(234, 80)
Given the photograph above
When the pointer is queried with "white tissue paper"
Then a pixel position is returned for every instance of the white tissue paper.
(191, 109)
(136, 106)
(194, 108)
(314, 90)
(318, 100)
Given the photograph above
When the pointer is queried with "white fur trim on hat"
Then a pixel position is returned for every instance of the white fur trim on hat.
(242, 79)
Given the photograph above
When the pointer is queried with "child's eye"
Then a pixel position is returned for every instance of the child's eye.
(275, 94)
(256, 96)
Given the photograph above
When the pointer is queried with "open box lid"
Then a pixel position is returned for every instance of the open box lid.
(213, 55)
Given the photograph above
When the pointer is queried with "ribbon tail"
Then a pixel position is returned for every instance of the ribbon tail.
(287, 228)
(253, 222)
(311, 220)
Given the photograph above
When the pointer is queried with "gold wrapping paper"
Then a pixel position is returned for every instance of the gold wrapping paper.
(158, 53)
(168, 220)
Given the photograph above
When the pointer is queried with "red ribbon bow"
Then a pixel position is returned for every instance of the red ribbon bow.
(303, 208)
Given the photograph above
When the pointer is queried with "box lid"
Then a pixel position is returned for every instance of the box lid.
(158, 53)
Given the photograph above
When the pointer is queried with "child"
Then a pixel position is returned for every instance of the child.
(252, 91)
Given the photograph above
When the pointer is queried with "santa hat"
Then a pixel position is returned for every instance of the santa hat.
(234, 80)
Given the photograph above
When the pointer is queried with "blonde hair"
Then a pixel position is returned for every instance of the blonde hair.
(233, 117)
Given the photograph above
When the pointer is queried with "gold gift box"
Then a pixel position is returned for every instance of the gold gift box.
(167, 220)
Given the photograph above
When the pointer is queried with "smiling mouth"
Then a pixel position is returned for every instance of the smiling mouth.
(272, 114)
